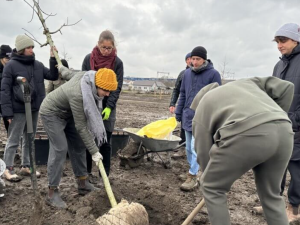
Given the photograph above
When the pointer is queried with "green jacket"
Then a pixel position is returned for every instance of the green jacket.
(66, 101)
(228, 110)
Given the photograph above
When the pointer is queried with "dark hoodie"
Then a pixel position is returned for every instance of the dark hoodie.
(35, 72)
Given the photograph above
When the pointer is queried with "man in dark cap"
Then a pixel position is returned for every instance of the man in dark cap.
(176, 92)
(194, 79)
(5, 52)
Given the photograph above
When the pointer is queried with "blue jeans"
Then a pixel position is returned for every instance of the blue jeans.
(190, 152)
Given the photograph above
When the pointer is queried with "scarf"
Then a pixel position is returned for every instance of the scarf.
(92, 106)
(200, 68)
(98, 61)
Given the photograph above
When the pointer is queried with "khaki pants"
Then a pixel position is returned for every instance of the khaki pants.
(266, 149)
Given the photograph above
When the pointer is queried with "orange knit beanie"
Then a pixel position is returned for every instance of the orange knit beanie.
(106, 79)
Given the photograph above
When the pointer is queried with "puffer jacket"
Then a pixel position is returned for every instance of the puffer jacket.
(35, 72)
(288, 68)
(66, 102)
(111, 100)
(192, 83)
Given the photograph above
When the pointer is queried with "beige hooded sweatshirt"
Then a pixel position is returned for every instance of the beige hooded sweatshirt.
(231, 109)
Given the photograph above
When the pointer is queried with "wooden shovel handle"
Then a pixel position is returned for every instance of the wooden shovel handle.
(107, 186)
(194, 213)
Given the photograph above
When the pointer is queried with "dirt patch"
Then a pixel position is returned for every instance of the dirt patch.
(149, 184)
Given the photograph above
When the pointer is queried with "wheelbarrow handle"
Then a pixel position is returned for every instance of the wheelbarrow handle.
(194, 213)
(182, 144)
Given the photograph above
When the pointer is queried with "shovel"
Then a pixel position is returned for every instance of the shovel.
(38, 207)
(189, 219)
(122, 213)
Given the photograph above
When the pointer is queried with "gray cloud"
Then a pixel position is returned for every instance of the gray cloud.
(156, 35)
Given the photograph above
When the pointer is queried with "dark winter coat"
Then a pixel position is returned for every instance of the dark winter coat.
(288, 68)
(35, 72)
(176, 91)
(1, 71)
(111, 100)
(192, 83)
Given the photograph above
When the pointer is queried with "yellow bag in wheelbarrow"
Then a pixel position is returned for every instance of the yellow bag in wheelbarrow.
(159, 129)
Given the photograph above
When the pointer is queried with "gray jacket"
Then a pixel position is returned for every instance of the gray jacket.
(66, 101)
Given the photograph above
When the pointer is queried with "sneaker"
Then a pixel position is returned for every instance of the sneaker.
(183, 177)
(190, 184)
(25, 171)
(10, 175)
(84, 186)
(56, 201)
(258, 210)
(292, 213)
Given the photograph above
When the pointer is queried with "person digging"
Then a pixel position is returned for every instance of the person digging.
(71, 115)
(240, 126)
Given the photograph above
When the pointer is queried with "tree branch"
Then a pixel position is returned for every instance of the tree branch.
(64, 25)
(33, 10)
(34, 39)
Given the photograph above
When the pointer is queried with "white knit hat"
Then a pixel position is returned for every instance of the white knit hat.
(289, 30)
(22, 42)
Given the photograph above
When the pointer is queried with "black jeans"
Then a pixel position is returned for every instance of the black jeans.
(294, 187)
(105, 151)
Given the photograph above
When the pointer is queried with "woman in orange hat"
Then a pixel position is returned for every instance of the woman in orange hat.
(71, 115)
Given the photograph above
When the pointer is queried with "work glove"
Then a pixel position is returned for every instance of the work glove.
(97, 157)
(106, 112)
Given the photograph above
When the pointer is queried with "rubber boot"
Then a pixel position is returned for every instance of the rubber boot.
(53, 199)
(84, 186)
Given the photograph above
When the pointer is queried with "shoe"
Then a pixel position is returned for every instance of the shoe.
(93, 179)
(10, 175)
(25, 171)
(55, 201)
(258, 210)
(292, 213)
(190, 184)
(84, 186)
(183, 177)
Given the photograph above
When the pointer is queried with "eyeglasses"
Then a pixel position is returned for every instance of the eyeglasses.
(106, 48)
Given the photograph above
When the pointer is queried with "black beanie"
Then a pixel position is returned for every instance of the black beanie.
(65, 63)
(200, 52)
(5, 51)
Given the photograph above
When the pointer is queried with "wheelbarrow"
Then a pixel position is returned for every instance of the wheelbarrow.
(155, 146)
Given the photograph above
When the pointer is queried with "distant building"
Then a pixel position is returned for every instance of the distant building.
(148, 85)
(127, 85)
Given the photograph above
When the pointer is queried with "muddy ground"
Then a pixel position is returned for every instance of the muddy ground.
(150, 184)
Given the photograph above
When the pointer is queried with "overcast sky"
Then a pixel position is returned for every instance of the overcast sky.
(155, 35)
